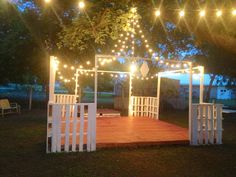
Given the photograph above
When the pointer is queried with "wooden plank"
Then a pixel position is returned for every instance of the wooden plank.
(219, 124)
(194, 117)
(67, 129)
(211, 125)
(55, 110)
(92, 116)
(75, 122)
(200, 124)
(59, 116)
(89, 132)
(206, 123)
(81, 134)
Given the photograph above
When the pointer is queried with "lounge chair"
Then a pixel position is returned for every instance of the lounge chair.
(7, 108)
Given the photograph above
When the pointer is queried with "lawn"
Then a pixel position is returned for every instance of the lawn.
(22, 154)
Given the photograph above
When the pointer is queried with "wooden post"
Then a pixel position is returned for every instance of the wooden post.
(201, 94)
(190, 98)
(130, 95)
(94, 113)
(52, 76)
(158, 94)
(76, 85)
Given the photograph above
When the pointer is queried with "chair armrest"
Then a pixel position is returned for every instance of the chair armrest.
(13, 104)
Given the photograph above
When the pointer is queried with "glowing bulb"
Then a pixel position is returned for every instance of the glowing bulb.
(121, 35)
(133, 10)
(115, 45)
(234, 12)
(157, 13)
(72, 67)
(133, 68)
(218, 13)
(142, 36)
(65, 66)
(88, 62)
(47, 1)
(202, 13)
(150, 50)
(181, 13)
(81, 4)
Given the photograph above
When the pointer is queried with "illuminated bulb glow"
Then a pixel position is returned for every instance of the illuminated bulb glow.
(88, 62)
(47, 1)
(202, 13)
(157, 13)
(181, 13)
(81, 4)
(234, 12)
(218, 13)
(133, 68)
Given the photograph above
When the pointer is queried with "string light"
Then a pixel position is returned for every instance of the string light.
(234, 12)
(81, 4)
(181, 13)
(202, 13)
(219, 13)
(47, 1)
(157, 13)
(88, 63)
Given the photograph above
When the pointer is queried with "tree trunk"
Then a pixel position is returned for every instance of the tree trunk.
(208, 93)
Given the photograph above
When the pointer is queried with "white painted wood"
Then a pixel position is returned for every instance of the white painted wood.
(158, 95)
(194, 137)
(219, 124)
(67, 128)
(89, 132)
(201, 96)
(209, 124)
(55, 113)
(75, 123)
(65, 99)
(58, 120)
(130, 95)
(206, 124)
(81, 134)
(52, 76)
(92, 116)
(190, 96)
(200, 125)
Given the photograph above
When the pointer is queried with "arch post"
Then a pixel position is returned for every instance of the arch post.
(52, 77)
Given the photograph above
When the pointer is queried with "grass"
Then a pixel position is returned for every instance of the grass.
(22, 154)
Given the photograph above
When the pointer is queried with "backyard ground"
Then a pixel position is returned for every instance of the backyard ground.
(22, 154)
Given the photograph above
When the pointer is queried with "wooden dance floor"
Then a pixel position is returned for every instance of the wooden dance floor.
(120, 131)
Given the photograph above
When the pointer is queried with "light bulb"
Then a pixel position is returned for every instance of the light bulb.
(181, 13)
(218, 13)
(157, 13)
(81, 4)
(202, 13)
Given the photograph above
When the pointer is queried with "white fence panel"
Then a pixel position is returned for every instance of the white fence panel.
(65, 99)
(144, 106)
(69, 128)
(206, 124)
